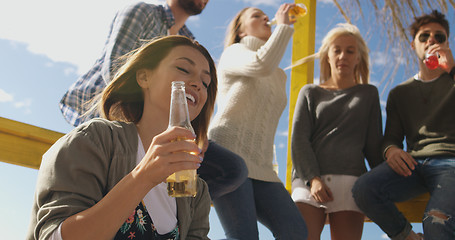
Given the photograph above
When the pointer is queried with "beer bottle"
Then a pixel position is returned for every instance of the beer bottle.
(181, 183)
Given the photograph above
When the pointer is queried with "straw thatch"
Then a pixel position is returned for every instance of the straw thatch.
(392, 18)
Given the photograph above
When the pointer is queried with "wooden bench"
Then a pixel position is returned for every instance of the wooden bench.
(414, 209)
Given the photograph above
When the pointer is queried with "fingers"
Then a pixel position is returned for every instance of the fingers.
(176, 139)
(175, 133)
(320, 191)
(323, 196)
(446, 60)
(282, 14)
(173, 150)
(400, 161)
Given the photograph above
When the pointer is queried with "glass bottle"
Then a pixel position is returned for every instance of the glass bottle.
(298, 11)
(181, 183)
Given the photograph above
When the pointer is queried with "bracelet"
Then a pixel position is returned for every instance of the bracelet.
(452, 72)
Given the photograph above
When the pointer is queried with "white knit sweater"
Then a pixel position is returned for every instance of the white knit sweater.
(251, 98)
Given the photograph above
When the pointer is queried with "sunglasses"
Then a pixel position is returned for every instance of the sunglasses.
(439, 37)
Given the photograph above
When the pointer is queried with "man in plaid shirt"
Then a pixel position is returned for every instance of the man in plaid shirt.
(130, 27)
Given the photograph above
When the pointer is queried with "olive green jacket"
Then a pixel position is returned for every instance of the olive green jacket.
(85, 164)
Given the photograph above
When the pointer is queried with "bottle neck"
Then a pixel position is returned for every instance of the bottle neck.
(179, 115)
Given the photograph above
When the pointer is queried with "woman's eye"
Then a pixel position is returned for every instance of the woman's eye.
(183, 70)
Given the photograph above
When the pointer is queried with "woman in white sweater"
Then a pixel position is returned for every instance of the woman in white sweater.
(252, 97)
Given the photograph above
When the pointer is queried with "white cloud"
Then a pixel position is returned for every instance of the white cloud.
(282, 145)
(69, 71)
(9, 98)
(5, 97)
(263, 2)
(283, 133)
(23, 104)
(384, 236)
(325, 1)
(397, 52)
(65, 31)
(195, 20)
(383, 58)
(49, 64)
(276, 2)
(378, 58)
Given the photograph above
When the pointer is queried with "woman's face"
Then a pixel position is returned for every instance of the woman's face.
(183, 63)
(254, 23)
(343, 55)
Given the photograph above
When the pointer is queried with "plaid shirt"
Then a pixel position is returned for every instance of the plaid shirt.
(130, 27)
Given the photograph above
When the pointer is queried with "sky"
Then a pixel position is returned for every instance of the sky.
(45, 45)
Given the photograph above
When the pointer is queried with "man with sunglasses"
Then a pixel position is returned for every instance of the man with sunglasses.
(422, 110)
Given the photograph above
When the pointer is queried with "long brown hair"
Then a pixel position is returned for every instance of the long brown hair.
(123, 100)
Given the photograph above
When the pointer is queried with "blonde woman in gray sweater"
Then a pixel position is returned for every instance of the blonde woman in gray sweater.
(252, 97)
(336, 125)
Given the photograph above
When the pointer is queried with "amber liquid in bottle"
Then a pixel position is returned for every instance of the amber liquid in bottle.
(181, 183)
(298, 11)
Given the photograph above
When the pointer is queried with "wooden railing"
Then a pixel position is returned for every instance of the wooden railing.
(23, 144)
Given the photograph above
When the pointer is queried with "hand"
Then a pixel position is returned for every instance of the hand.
(400, 161)
(446, 60)
(282, 14)
(166, 155)
(320, 192)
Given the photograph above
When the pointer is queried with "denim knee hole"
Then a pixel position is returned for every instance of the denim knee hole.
(436, 216)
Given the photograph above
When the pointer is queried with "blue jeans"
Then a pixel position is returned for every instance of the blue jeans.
(268, 202)
(376, 191)
(222, 170)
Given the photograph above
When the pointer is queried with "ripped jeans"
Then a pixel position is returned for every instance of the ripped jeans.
(376, 191)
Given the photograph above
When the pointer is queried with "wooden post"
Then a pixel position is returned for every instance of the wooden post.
(303, 44)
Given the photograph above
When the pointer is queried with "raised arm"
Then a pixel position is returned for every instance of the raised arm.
(239, 60)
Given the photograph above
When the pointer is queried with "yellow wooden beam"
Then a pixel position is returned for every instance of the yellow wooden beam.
(303, 44)
(23, 144)
(413, 209)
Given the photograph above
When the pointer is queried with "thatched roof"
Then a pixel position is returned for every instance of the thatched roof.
(392, 17)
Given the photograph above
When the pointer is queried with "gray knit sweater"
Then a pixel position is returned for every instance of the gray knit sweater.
(334, 131)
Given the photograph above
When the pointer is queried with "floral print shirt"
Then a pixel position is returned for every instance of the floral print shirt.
(140, 226)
